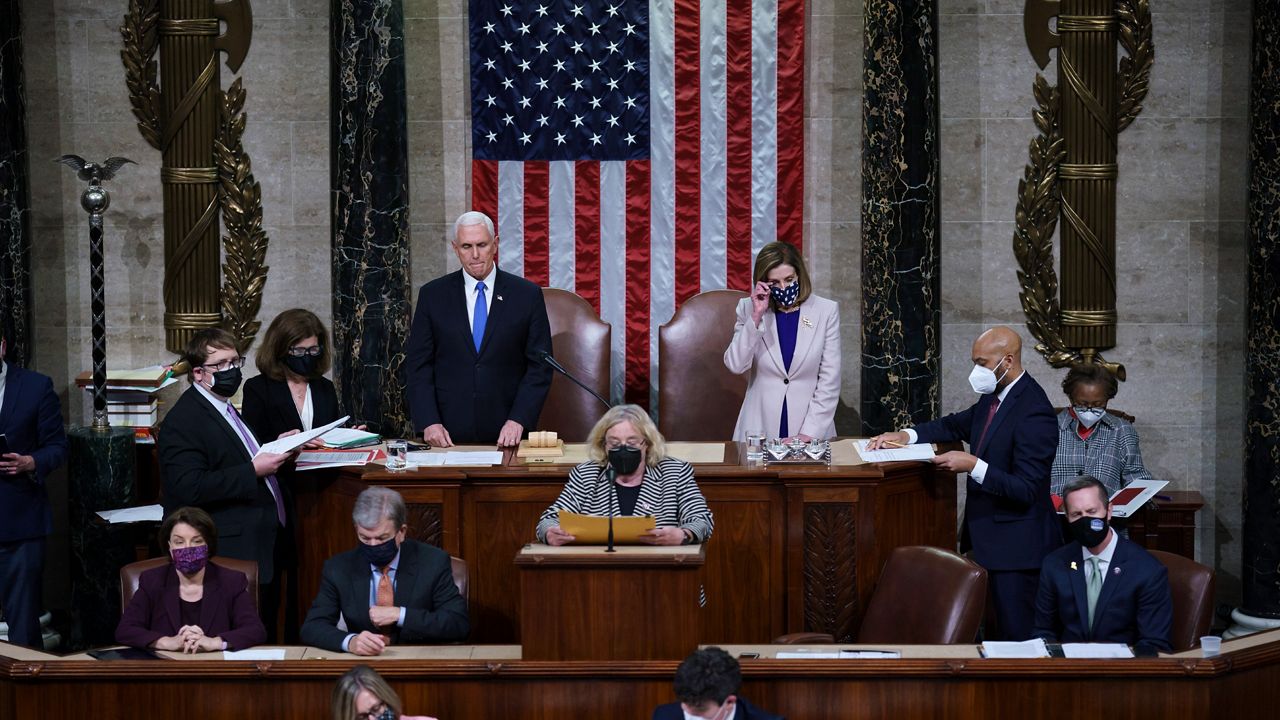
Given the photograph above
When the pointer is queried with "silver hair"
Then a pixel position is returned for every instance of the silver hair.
(472, 217)
(376, 503)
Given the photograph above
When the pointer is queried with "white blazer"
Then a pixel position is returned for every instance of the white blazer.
(812, 386)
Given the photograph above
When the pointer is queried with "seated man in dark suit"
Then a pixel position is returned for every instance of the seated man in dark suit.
(1101, 587)
(474, 360)
(706, 685)
(31, 423)
(389, 589)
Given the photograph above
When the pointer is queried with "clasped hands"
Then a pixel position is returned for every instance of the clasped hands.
(15, 464)
(190, 639)
(370, 643)
(955, 461)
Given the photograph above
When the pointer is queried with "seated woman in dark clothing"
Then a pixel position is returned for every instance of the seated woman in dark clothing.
(191, 605)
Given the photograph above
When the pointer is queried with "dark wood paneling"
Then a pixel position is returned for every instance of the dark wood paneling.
(743, 576)
(830, 559)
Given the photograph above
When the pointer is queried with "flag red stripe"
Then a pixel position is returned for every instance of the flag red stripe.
(738, 144)
(688, 156)
(484, 187)
(537, 223)
(790, 121)
(586, 232)
(637, 303)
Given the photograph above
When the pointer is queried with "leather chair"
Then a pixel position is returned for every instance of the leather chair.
(698, 398)
(460, 577)
(580, 342)
(130, 575)
(1191, 585)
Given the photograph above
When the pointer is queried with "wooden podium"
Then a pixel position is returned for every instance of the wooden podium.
(581, 603)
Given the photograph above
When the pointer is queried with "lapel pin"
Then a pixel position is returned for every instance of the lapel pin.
(499, 298)
(1073, 565)
(1115, 570)
(807, 322)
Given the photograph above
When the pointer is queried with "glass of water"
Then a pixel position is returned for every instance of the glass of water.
(755, 446)
(397, 455)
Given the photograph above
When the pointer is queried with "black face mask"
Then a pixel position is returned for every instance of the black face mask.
(624, 460)
(226, 382)
(1089, 531)
(304, 366)
(381, 554)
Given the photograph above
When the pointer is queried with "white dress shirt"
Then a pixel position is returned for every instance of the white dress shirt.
(1104, 557)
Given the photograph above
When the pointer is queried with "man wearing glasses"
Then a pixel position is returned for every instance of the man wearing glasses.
(209, 459)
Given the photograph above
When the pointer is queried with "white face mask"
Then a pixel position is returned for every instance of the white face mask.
(984, 380)
(725, 711)
(1089, 417)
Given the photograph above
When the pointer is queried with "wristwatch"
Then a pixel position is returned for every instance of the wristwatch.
(688, 537)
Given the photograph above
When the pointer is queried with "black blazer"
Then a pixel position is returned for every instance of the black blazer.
(472, 393)
(435, 612)
(268, 407)
(745, 711)
(203, 463)
(31, 420)
(226, 611)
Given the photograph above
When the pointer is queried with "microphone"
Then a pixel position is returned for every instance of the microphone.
(611, 474)
(555, 365)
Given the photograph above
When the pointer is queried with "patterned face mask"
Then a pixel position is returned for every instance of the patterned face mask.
(785, 297)
(190, 560)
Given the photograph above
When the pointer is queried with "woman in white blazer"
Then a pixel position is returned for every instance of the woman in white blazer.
(788, 339)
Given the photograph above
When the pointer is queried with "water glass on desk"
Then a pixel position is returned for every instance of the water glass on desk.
(397, 455)
(755, 446)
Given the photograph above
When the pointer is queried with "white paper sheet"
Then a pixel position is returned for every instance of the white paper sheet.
(917, 451)
(425, 458)
(1026, 649)
(288, 444)
(1096, 650)
(254, 654)
(455, 457)
(1129, 499)
(146, 513)
(838, 655)
(800, 655)
(869, 654)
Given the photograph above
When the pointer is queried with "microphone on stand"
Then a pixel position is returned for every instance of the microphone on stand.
(555, 365)
(613, 497)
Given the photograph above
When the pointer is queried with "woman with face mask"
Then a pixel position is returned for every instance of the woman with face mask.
(645, 482)
(191, 605)
(788, 341)
(362, 694)
(1092, 441)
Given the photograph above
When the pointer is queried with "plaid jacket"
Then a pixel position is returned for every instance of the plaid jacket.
(1110, 454)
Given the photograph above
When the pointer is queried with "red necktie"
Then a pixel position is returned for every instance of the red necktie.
(386, 594)
(991, 413)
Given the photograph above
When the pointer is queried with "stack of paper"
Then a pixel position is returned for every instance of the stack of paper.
(349, 438)
(146, 513)
(1026, 649)
(918, 451)
(1096, 650)
(289, 443)
(316, 459)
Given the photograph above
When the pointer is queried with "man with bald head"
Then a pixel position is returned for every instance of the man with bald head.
(1009, 521)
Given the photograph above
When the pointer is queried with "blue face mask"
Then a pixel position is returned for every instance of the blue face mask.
(785, 297)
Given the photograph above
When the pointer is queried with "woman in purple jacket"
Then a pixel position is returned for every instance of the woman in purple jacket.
(191, 605)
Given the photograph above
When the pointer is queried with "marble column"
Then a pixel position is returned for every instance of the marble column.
(369, 168)
(15, 247)
(900, 209)
(1261, 551)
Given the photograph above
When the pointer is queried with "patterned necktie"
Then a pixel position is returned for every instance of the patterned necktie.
(1094, 587)
(479, 316)
(386, 593)
(991, 413)
(253, 450)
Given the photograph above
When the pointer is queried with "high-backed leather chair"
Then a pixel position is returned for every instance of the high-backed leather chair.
(1191, 585)
(460, 576)
(131, 574)
(698, 398)
(580, 342)
(925, 596)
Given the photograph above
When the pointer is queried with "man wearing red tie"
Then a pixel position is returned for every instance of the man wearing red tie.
(1009, 521)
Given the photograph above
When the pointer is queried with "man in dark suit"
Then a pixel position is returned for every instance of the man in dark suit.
(1009, 521)
(387, 590)
(209, 459)
(1101, 587)
(474, 359)
(706, 686)
(31, 422)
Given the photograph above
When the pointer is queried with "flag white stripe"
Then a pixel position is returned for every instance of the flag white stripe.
(511, 216)
(613, 265)
(662, 180)
(561, 234)
(764, 124)
(711, 34)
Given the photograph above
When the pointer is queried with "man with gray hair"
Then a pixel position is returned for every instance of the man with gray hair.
(474, 360)
(389, 589)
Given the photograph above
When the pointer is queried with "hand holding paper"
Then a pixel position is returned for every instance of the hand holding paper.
(290, 443)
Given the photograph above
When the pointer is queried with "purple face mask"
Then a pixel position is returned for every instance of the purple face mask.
(190, 560)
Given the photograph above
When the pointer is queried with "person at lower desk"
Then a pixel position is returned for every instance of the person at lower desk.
(1101, 587)
(706, 686)
(191, 605)
(647, 482)
(362, 694)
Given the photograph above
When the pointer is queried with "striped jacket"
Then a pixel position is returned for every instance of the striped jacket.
(668, 492)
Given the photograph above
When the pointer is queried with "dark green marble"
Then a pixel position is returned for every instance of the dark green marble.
(15, 243)
(900, 208)
(100, 476)
(1261, 550)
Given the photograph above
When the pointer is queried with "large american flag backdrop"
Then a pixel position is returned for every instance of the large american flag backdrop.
(637, 152)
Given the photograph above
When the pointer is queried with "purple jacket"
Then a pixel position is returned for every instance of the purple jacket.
(226, 611)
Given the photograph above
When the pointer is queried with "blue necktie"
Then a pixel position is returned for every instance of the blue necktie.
(479, 316)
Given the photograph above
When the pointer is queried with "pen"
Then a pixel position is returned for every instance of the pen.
(894, 444)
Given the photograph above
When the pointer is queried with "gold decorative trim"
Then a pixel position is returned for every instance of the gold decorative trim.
(190, 26)
(191, 321)
(1135, 69)
(1089, 318)
(1086, 23)
(1077, 171)
(244, 270)
(189, 176)
(188, 245)
(138, 55)
(179, 115)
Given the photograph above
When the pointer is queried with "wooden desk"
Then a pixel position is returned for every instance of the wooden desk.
(1168, 525)
(928, 683)
(794, 549)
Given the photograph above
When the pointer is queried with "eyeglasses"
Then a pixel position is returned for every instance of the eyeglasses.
(225, 365)
(633, 443)
(374, 713)
(313, 351)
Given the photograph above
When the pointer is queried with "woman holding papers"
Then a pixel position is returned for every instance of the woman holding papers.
(191, 605)
(1092, 441)
(788, 339)
(646, 482)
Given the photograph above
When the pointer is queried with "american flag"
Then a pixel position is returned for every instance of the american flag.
(637, 152)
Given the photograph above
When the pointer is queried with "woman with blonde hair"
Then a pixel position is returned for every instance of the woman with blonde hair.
(362, 694)
(646, 482)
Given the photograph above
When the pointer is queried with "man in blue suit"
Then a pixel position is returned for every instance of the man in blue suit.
(474, 359)
(707, 685)
(31, 422)
(1101, 587)
(1009, 521)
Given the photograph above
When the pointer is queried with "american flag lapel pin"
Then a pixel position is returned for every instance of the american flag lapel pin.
(1073, 565)
(499, 297)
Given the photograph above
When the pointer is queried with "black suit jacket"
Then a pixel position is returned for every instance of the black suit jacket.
(268, 407)
(435, 612)
(226, 611)
(745, 711)
(474, 393)
(204, 464)
(31, 420)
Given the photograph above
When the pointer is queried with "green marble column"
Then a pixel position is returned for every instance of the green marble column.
(15, 244)
(900, 258)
